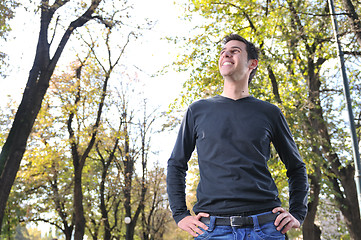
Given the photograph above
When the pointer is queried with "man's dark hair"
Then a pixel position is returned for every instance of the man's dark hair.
(252, 51)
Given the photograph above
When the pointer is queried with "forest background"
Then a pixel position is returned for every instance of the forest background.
(84, 148)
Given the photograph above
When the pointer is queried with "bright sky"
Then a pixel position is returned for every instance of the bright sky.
(150, 54)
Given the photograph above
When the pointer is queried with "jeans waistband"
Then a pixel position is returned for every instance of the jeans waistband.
(244, 214)
(239, 221)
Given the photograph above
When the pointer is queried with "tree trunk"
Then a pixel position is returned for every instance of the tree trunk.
(103, 208)
(353, 18)
(347, 198)
(59, 206)
(38, 82)
(310, 230)
(78, 205)
(80, 158)
(128, 175)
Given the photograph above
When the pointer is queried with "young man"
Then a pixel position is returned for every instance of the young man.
(236, 195)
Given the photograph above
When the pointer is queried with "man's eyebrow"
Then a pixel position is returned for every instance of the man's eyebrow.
(232, 47)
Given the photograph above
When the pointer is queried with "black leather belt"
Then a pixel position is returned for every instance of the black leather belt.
(237, 221)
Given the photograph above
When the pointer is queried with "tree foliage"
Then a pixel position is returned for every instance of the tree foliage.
(7, 9)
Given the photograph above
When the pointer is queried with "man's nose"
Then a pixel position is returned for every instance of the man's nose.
(227, 53)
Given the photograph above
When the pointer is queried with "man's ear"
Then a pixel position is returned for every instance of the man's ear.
(253, 63)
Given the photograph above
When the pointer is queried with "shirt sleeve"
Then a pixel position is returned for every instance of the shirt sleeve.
(178, 166)
(296, 168)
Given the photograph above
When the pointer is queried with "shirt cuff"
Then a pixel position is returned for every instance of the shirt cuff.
(179, 217)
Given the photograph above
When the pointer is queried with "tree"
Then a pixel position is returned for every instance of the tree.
(125, 186)
(46, 174)
(155, 214)
(79, 153)
(353, 19)
(38, 83)
(109, 190)
(130, 153)
(80, 150)
(47, 171)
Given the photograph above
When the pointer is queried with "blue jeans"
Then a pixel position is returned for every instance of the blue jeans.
(267, 231)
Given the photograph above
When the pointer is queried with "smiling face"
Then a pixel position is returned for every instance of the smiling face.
(233, 61)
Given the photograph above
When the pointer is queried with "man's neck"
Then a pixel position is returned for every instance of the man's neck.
(235, 89)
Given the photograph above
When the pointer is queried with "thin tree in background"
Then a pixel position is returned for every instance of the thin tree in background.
(37, 85)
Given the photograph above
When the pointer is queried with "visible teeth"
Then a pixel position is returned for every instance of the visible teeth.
(227, 63)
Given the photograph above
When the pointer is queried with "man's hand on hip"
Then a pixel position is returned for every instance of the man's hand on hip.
(285, 221)
(192, 224)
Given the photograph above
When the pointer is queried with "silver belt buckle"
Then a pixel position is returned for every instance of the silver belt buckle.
(233, 221)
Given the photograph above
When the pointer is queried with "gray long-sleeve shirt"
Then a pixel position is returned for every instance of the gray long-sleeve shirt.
(233, 145)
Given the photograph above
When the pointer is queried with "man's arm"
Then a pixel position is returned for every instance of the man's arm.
(178, 166)
(296, 170)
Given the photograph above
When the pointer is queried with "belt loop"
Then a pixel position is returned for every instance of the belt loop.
(255, 222)
(212, 223)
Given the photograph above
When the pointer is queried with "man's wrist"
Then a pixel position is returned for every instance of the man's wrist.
(179, 217)
(298, 217)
